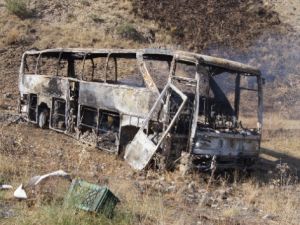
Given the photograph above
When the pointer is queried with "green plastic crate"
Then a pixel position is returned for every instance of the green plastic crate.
(92, 198)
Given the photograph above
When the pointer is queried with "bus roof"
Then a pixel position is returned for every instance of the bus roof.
(159, 53)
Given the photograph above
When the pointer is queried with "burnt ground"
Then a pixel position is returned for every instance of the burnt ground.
(232, 23)
(256, 32)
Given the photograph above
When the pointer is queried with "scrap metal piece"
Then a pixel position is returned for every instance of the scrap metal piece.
(20, 192)
(140, 151)
(37, 179)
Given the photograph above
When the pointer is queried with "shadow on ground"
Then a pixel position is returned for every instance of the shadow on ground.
(274, 165)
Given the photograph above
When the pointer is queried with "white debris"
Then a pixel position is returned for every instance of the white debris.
(5, 187)
(269, 217)
(37, 179)
(20, 193)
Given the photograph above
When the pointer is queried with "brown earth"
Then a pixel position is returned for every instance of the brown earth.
(261, 33)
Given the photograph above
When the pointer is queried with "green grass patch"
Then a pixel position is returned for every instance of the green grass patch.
(57, 214)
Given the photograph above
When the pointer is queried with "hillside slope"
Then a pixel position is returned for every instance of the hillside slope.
(262, 33)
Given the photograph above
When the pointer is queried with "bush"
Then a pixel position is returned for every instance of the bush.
(128, 31)
(18, 7)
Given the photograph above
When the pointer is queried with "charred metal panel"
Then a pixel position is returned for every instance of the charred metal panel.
(220, 144)
(118, 98)
(146, 75)
(127, 120)
(44, 85)
(187, 56)
(140, 151)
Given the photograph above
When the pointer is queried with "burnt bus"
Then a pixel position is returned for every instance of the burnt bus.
(150, 105)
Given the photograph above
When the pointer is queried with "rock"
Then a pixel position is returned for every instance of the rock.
(221, 194)
(171, 188)
(6, 213)
(269, 217)
(149, 35)
(191, 186)
(206, 200)
(2, 50)
(214, 205)
(161, 179)
(7, 95)
(192, 198)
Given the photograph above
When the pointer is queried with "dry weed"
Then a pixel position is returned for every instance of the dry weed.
(230, 212)
(12, 37)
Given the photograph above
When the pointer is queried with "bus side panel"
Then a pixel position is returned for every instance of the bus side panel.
(44, 85)
(125, 100)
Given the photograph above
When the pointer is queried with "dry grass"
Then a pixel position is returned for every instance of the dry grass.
(287, 143)
(230, 212)
(280, 203)
(70, 26)
(273, 121)
(7, 169)
(26, 151)
(13, 36)
(56, 214)
(139, 204)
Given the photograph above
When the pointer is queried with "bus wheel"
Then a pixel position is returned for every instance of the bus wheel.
(43, 119)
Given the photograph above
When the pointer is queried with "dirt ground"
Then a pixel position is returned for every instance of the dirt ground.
(262, 33)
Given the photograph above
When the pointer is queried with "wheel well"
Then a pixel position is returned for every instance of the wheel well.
(127, 134)
(43, 106)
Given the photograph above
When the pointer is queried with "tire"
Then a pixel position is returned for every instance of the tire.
(43, 119)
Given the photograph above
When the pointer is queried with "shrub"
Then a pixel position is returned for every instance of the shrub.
(13, 36)
(18, 7)
(128, 31)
